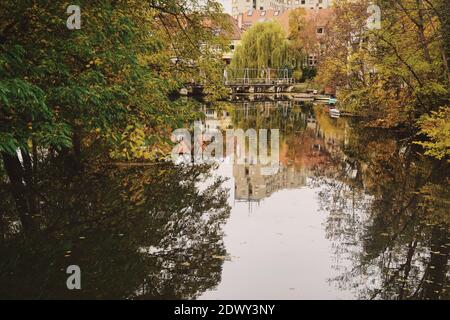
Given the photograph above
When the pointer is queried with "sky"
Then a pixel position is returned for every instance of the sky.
(227, 5)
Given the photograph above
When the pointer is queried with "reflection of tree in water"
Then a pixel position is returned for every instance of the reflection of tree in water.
(284, 115)
(388, 213)
(135, 232)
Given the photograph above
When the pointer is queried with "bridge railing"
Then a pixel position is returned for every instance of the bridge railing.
(276, 81)
(265, 76)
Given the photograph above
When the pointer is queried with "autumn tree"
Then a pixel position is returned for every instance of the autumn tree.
(109, 85)
(303, 35)
(395, 74)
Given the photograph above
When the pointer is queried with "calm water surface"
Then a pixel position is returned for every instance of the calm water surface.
(349, 213)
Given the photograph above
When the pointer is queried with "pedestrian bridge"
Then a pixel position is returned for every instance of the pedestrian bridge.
(258, 80)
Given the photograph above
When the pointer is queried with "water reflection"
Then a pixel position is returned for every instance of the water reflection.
(389, 218)
(136, 232)
(383, 208)
(347, 213)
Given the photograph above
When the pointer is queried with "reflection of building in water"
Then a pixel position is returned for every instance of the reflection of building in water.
(219, 120)
(256, 182)
(310, 142)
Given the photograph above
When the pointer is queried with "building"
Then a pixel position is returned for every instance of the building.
(232, 33)
(256, 182)
(317, 23)
(217, 120)
(283, 5)
(234, 36)
(248, 18)
(317, 20)
(241, 6)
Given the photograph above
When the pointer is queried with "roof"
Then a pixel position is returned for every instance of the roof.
(231, 30)
(235, 32)
(251, 17)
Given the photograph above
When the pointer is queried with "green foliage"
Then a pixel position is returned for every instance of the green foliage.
(24, 113)
(437, 129)
(264, 45)
(117, 71)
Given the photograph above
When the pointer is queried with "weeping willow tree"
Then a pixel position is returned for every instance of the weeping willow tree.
(264, 45)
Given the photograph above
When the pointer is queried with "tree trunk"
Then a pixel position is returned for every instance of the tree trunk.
(421, 28)
(15, 173)
(35, 157)
(29, 181)
(436, 280)
(76, 142)
(445, 32)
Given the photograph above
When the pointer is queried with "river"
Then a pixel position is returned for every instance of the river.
(348, 213)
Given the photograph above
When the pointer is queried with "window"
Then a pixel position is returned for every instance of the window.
(303, 1)
(312, 60)
(319, 30)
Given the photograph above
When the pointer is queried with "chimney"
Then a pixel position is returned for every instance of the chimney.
(240, 20)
